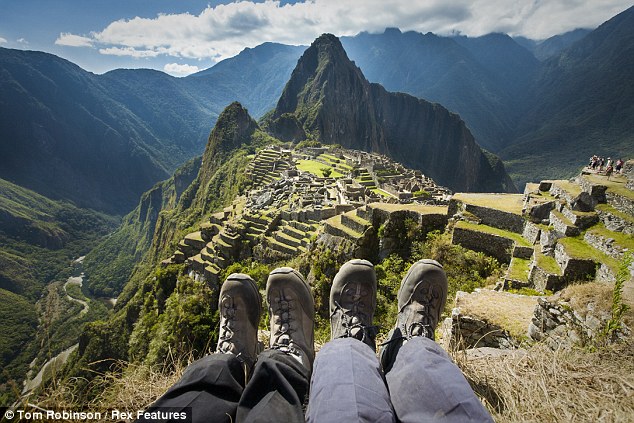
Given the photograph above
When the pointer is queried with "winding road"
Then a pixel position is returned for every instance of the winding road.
(57, 362)
(77, 280)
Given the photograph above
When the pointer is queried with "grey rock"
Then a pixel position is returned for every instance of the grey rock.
(583, 202)
(539, 212)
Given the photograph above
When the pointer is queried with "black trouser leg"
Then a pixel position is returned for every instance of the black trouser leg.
(276, 392)
(214, 389)
(211, 386)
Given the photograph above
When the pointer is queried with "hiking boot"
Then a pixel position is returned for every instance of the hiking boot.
(353, 301)
(292, 314)
(421, 300)
(240, 307)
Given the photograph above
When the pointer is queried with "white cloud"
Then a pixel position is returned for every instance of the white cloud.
(180, 70)
(22, 41)
(129, 51)
(224, 30)
(3, 40)
(67, 39)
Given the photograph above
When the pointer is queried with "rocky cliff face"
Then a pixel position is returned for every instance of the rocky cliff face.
(330, 99)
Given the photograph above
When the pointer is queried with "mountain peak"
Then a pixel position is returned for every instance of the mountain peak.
(328, 50)
(327, 40)
(318, 71)
(329, 99)
(233, 128)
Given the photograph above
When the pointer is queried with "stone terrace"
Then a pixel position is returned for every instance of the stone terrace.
(556, 233)
(288, 209)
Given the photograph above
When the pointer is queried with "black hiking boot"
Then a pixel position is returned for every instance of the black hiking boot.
(240, 307)
(292, 314)
(353, 301)
(421, 300)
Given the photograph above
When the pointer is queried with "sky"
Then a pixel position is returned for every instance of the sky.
(181, 37)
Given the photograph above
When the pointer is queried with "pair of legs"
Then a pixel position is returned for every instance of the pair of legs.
(414, 380)
(238, 383)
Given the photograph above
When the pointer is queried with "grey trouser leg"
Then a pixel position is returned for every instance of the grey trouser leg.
(425, 385)
(348, 385)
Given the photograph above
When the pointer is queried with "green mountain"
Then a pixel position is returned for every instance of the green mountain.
(329, 99)
(100, 141)
(110, 264)
(40, 236)
(582, 103)
(66, 136)
(198, 188)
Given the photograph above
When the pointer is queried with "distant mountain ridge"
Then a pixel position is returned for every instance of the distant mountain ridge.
(100, 141)
(552, 46)
(67, 135)
(478, 78)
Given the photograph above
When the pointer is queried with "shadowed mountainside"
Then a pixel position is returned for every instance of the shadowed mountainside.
(582, 103)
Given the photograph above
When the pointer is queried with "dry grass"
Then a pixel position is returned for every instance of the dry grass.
(140, 386)
(420, 208)
(512, 203)
(596, 295)
(556, 386)
(129, 387)
(510, 312)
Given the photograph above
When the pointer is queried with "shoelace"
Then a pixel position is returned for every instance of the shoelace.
(424, 326)
(282, 339)
(228, 315)
(352, 325)
(225, 344)
(419, 328)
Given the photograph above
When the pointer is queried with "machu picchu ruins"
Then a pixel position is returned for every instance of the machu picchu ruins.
(292, 199)
(557, 232)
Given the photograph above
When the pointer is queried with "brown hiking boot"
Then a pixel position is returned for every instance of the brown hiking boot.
(292, 314)
(240, 307)
(353, 301)
(421, 300)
